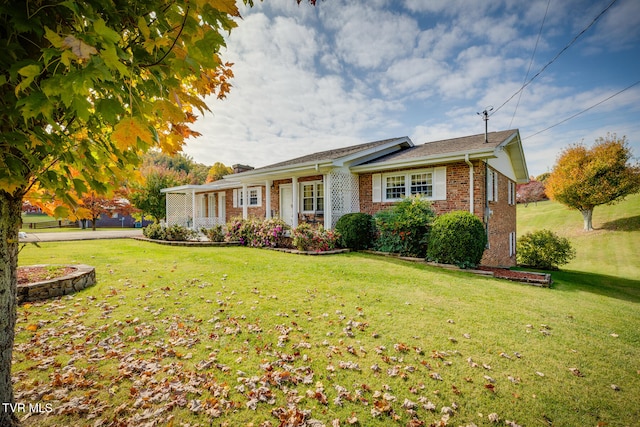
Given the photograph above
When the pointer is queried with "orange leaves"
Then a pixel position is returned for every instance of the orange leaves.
(128, 131)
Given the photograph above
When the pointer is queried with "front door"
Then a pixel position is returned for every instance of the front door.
(286, 203)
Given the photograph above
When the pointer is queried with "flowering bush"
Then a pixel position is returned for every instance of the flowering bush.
(268, 233)
(308, 238)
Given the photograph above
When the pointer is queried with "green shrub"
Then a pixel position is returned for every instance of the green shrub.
(544, 249)
(457, 238)
(178, 233)
(154, 231)
(357, 230)
(308, 238)
(175, 232)
(216, 233)
(404, 228)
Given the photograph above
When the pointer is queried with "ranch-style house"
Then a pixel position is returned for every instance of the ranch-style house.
(477, 173)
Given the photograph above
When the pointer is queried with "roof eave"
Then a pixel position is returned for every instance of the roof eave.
(426, 160)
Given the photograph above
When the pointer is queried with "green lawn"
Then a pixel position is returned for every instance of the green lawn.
(248, 337)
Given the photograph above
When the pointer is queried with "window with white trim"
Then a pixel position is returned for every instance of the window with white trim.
(512, 243)
(492, 185)
(512, 192)
(397, 186)
(393, 186)
(312, 196)
(254, 197)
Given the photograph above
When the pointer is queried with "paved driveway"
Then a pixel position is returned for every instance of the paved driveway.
(81, 235)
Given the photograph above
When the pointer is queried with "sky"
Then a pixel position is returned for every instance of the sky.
(347, 72)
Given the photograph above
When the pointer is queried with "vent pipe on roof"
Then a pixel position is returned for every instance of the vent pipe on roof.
(485, 117)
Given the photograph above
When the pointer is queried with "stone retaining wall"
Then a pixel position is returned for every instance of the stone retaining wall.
(83, 277)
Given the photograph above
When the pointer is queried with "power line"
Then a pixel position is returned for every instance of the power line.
(533, 54)
(557, 55)
(583, 111)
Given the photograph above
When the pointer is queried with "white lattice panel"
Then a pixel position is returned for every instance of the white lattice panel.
(345, 194)
(179, 209)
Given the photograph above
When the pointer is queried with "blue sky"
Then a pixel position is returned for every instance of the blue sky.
(346, 72)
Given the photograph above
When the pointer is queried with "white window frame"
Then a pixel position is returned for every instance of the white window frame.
(407, 176)
(512, 243)
(512, 193)
(492, 185)
(238, 197)
(317, 193)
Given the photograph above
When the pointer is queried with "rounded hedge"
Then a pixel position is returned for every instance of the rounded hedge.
(457, 238)
(357, 230)
(544, 249)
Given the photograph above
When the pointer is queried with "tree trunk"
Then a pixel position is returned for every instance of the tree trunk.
(10, 219)
(587, 214)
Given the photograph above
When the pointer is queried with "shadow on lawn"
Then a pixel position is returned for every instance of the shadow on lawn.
(631, 223)
(610, 286)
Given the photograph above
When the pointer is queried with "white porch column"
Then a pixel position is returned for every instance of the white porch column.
(245, 202)
(267, 197)
(296, 201)
(193, 210)
(327, 201)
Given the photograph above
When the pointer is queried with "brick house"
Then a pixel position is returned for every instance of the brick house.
(477, 173)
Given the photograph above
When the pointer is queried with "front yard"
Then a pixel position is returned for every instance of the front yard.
(248, 337)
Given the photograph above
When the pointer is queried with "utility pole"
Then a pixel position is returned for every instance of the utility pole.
(485, 117)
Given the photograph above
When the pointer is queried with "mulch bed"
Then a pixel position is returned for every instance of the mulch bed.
(520, 276)
(28, 275)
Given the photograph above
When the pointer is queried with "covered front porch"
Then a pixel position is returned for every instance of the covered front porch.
(306, 196)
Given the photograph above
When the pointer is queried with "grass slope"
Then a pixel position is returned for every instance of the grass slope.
(248, 337)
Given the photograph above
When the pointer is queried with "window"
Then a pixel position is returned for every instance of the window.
(422, 183)
(312, 197)
(512, 243)
(492, 185)
(391, 187)
(254, 196)
(512, 193)
(394, 187)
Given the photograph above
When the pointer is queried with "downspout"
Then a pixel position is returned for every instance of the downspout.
(471, 183)
(486, 200)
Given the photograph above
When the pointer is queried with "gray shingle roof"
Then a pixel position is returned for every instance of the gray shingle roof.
(455, 145)
(325, 156)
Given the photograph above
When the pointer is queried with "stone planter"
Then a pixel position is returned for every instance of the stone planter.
(83, 277)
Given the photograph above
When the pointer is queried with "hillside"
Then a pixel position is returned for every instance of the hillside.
(610, 253)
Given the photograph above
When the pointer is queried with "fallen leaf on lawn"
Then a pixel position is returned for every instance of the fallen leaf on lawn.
(493, 417)
(32, 327)
(435, 376)
(576, 372)
(490, 387)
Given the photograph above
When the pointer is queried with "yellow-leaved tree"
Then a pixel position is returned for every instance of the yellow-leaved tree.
(86, 87)
(584, 178)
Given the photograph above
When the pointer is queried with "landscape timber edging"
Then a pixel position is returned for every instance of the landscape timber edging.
(544, 280)
(185, 243)
(82, 277)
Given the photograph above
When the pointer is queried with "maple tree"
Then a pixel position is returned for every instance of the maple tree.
(86, 88)
(533, 191)
(584, 178)
(217, 171)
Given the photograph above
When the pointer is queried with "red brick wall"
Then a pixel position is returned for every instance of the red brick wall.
(501, 223)
(253, 211)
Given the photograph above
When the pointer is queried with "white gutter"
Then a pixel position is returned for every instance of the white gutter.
(471, 184)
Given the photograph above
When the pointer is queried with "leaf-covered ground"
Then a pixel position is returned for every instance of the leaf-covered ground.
(246, 337)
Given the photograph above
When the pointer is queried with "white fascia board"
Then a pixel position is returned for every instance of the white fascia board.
(513, 146)
(283, 172)
(425, 161)
(181, 189)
